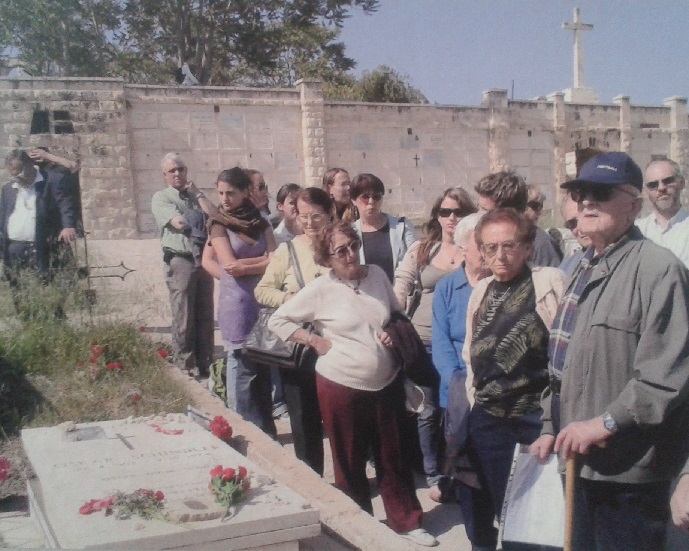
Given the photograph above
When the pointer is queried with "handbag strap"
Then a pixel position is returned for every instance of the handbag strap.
(295, 263)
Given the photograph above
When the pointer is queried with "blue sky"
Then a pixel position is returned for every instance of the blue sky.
(453, 50)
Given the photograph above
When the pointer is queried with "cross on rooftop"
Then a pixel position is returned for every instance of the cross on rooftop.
(577, 26)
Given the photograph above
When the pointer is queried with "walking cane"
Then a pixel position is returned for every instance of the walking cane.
(570, 477)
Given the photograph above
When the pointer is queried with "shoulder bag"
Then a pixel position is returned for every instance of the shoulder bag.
(265, 347)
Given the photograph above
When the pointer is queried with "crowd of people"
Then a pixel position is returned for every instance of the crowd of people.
(439, 351)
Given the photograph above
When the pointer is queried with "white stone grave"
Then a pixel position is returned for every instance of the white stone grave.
(75, 464)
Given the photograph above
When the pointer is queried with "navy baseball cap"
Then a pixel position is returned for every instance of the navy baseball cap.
(608, 169)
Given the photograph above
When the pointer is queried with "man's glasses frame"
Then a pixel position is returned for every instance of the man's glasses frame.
(669, 181)
(599, 194)
(489, 250)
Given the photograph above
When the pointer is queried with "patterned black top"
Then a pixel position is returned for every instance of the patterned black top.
(509, 349)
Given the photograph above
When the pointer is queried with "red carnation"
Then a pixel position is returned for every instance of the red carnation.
(242, 472)
(112, 366)
(163, 353)
(4, 463)
(160, 496)
(228, 473)
(97, 351)
(221, 428)
(216, 471)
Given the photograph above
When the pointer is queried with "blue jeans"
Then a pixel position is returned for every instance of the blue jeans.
(620, 517)
(493, 439)
(231, 375)
(428, 426)
(253, 389)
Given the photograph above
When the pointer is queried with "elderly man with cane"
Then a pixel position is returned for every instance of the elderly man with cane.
(619, 367)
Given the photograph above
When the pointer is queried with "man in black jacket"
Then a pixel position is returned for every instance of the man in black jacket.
(38, 218)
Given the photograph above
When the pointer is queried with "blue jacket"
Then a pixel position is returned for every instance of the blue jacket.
(450, 302)
(56, 209)
(402, 235)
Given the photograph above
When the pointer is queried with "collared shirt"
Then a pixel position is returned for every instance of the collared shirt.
(675, 237)
(166, 205)
(567, 311)
(21, 225)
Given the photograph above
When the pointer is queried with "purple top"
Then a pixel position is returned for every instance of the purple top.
(237, 307)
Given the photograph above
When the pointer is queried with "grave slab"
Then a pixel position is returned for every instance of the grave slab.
(77, 463)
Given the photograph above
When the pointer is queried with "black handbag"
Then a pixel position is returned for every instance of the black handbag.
(265, 347)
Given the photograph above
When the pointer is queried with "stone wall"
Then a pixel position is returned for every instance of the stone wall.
(120, 132)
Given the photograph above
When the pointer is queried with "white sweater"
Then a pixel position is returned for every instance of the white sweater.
(351, 321)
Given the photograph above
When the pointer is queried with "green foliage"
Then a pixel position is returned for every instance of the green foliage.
(46, 376)
(382, 85)
(257, 42)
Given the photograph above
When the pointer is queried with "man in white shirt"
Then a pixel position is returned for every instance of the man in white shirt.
(668, 224)
(38, 216)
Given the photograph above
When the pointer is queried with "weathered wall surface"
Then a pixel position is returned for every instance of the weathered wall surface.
(120, 132)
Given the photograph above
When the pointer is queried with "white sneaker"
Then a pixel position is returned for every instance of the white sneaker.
(420, 537)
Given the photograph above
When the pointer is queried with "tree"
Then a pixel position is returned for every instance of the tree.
(382, 85)
(265, 42)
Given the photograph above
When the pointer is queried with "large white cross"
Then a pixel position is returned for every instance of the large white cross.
(577, 26)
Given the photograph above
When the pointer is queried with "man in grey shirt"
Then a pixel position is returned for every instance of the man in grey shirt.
(189, 286)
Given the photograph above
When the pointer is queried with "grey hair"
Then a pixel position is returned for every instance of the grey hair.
(172, 158)
(465, 228)
(676, 170)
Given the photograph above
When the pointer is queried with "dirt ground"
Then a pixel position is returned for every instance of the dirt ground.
(15, 485)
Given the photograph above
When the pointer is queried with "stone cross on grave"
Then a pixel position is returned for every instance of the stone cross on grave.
(577, 26)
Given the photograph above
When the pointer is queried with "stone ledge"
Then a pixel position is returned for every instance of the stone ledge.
(338, 513)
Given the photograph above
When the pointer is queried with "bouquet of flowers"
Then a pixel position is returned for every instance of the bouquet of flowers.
(221, 428)
(228, 485)
(142, 502)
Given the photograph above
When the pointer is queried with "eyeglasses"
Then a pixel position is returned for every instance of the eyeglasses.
(341, 252)
(445, 213)
(571, 224)
(597, 194)
(508, 247)
(669, 181)
(177, 169)
(316, 218)
(535, 206)
(366, 197)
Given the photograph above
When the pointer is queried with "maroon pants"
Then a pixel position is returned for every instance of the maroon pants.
(358, 421)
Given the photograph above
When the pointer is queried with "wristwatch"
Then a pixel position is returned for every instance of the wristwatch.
(609, 423)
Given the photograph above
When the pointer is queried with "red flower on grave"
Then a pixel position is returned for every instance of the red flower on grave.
(97, 351)
(163, 353)
(160, 496)
(112, 366)
(228, 473)
(221, 428)
(242, 472)
(136, 397)
(227, 486)
(4, 463)
(216, 471)
(86, 508)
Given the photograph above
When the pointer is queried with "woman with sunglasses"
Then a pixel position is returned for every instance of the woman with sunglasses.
(278, 285)
(238, 254)
(359, 383)
(427, 261)
(506, 351)
(336, 183)
(385, 239)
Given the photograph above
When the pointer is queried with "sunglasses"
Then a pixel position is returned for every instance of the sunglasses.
(571, 224)
(341, 252)
(597, 194)
(535, 206)
(177, 169)
(445, 213)
(670, 180)
(508, 247)
(367, 197)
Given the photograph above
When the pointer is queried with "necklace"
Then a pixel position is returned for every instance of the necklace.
(354, 287)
